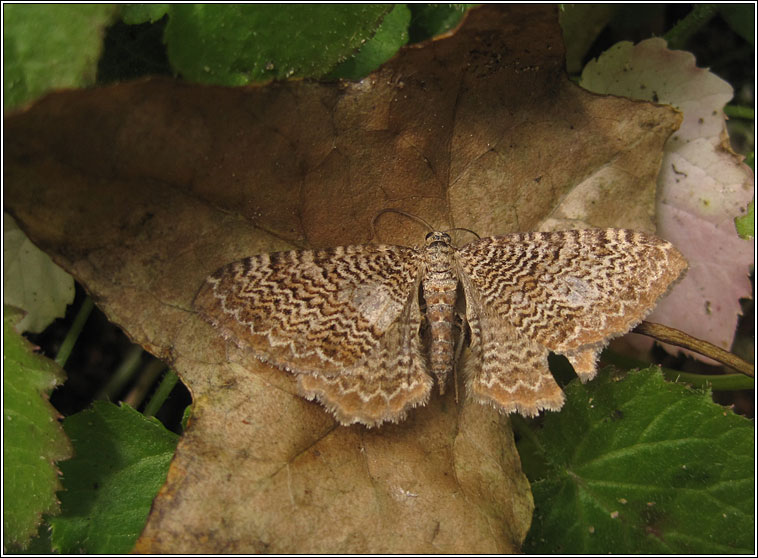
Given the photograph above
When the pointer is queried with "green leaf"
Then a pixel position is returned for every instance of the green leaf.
(433, 19)
(32, 282)
(33, 440)
(741, 18)
(134, 14)
(122, 459)
(746, 223)
(581, 25)
(232, 44)
(51, 46)
(391, 35)
(636, 464)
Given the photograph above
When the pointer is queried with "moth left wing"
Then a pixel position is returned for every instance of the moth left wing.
(310, 311)
(385, 385)
(345, 320)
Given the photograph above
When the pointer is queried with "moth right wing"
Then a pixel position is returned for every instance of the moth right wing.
(564, 291)
(504, 368)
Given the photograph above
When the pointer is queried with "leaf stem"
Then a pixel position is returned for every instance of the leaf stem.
(737, 111)
(161, 393)
(123, 374)
(678, 35)
(717, 382)
(145, 380)
(681, 339)
(73, 334)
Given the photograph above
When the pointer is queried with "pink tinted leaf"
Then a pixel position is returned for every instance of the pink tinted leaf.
(703, 185)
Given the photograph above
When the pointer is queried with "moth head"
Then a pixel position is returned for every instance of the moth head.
(437, 236)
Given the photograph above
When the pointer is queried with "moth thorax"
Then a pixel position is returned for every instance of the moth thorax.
(439, 253)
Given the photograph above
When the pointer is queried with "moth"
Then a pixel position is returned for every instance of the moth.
(368, 329)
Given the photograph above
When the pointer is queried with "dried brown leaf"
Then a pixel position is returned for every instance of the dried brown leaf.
(157, 183)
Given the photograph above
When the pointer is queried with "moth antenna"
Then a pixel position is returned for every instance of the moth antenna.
(399, 212)
(465, 230)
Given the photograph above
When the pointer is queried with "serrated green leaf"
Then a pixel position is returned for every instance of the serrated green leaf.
(32, 282)
(391, 35)
(39, 545)
(51, 46)
(33, 440)
(122, 458)
(232, 44)
(636, 464)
